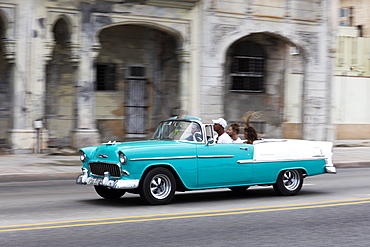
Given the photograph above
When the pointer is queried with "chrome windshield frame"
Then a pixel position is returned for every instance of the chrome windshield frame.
(177, 133)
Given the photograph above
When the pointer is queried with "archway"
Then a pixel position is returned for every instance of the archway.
(137, 80)
(60, 90)
(264, 72)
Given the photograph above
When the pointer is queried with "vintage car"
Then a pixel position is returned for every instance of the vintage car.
(182, 156)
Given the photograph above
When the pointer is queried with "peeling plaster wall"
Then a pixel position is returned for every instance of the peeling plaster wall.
(128, 45)
(293, 96)
(271, 101)
(185, 52)
(60, 99)
(299, 23)
(56, 81)
(5, 97)
(5, 86)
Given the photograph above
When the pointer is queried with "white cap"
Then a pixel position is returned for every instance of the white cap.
(221, 122)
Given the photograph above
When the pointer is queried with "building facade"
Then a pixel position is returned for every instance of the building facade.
(354, 13)
(351, 84)
(77, 73)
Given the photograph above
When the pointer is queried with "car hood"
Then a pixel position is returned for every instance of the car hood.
(142, 149)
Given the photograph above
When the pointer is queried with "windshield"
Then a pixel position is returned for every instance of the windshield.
(176, 130)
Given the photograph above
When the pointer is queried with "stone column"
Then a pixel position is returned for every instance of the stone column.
(317, 123)
(316, 105)
(185, 83)
(30, 57)
(85, 133)
(22, 135)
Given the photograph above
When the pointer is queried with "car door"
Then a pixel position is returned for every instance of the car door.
(218, 164)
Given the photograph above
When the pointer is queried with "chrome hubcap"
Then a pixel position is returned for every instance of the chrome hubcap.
(291, 180)
(160, 186)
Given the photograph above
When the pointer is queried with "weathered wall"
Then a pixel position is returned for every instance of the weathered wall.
(5, 96)
(135, 45)
(293, 94)
(5, 92)
(183, 44)
(269, 102)
(293, 90)
(60, 99)
(296, 23)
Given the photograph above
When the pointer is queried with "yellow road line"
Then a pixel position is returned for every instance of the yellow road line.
(130, 219)
(200, 212)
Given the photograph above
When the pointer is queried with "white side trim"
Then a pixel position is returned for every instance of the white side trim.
(281, 160)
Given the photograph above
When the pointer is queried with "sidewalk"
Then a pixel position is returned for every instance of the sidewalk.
(35, 167)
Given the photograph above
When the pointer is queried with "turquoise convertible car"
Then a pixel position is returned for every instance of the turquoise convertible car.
(179, 159)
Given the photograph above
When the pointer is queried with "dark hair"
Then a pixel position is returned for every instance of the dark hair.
(251, 134)
(249, 129)
(235, 127)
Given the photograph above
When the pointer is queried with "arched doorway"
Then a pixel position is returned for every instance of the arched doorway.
(137, 81)
(60, 90)
(5, 87)
(259, 76)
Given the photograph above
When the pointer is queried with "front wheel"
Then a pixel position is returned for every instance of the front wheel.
(158, 186)
(289, 182)
(109, 193)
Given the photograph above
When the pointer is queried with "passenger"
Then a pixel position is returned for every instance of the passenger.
(219, 126)
(233, 132)
(196, 133)
(250, 133)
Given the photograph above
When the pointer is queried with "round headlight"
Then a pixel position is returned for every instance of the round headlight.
(122, 158)
(82, 156)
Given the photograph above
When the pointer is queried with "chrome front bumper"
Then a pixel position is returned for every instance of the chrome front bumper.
(106, 181)
(330, 169)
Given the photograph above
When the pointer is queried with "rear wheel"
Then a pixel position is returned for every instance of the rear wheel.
(158, 186)
(289, 182)
(109, 193)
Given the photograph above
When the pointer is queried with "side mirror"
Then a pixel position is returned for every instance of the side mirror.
(210, 141)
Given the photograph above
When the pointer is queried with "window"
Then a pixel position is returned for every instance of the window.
(343, 12)
(346, 16)
(136, 71)
(105, 77)
(247, 67)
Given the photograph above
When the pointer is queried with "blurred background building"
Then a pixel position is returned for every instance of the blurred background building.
(77, 73)
(351, 84)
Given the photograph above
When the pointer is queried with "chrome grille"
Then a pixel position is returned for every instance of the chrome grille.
(98, 168)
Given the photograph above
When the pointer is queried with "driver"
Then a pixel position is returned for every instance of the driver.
(196, 134)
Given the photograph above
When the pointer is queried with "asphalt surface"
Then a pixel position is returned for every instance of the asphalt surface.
(38, 167)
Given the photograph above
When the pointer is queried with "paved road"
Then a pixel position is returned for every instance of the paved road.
(331, 210)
